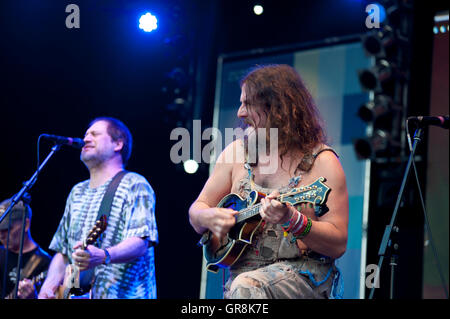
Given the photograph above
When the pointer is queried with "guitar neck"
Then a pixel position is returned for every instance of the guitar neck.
(314, 193)
(247, 213)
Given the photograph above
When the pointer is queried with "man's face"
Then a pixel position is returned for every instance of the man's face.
(99, 146)
(252, 115)
(14, 235)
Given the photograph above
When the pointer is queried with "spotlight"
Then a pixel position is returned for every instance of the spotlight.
(362, 148)
(380, 144)
(377, 78)
(258, 9)
(148, 22)
(371, 110)
(190, 166)
(379, 43)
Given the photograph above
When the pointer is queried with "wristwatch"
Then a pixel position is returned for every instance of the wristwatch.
(107, 257)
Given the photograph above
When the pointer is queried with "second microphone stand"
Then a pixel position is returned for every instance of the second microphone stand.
(386, 242)
(16, 198)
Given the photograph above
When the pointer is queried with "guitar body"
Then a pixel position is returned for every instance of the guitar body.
(224, 253)
(71, 284)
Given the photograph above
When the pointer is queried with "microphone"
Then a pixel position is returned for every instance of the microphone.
(62, 140)
(441, 121)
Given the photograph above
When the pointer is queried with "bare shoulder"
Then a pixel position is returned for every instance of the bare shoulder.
(233, 153)
(328, 165)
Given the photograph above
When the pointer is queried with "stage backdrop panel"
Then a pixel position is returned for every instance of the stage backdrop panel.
(330, 73)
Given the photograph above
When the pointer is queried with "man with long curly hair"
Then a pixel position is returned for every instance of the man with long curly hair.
(293, 249)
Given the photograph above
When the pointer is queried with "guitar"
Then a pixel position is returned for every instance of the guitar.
(71, 284)
(35, 281)
(224, 253)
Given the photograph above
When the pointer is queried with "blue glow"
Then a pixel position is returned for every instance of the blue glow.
(382, 11)
(148, 22)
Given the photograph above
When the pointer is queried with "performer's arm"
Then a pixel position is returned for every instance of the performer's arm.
(126, 251)
(55, 276)
(328, 235)
(203, 214)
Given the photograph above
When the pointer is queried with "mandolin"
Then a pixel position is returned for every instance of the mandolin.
(225, 252)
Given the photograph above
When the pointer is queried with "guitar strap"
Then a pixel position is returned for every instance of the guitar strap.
(31, 265)
(106, 205)
(87, 276)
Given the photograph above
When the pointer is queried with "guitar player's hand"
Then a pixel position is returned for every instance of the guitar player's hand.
(89, 258)
(26, 289)
(220, 220)
(276, 212)
(273, 211)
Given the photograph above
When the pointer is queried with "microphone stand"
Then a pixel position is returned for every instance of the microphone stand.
(386, 241)
(15, 200)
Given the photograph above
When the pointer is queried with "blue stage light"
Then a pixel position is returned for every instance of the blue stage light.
(148, 22)
(382, 12)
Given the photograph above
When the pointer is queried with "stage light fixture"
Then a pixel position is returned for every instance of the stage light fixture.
(362, 147)
(379, 44)
(378, 77)
(379, 145)
(371, 110)
(148, 22)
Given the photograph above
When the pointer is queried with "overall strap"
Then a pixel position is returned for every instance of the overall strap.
(249, 171)
(326, 149)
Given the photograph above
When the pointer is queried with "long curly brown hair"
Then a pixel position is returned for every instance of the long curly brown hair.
(279, 91)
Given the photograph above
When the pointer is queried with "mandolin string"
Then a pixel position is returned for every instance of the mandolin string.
(253, 210)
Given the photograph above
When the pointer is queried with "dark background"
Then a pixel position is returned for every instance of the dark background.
(56, 80)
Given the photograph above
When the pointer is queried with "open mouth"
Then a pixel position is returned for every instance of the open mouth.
(87, 147)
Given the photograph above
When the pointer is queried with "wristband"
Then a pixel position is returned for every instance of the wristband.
(292, 221)
(305, 231)
(107, 257)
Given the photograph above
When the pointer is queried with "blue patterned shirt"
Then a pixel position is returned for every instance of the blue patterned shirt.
(132, 215)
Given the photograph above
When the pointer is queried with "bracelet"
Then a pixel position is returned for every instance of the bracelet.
(290, 223)
(300, 226)
(303, 232)
(107, 257)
